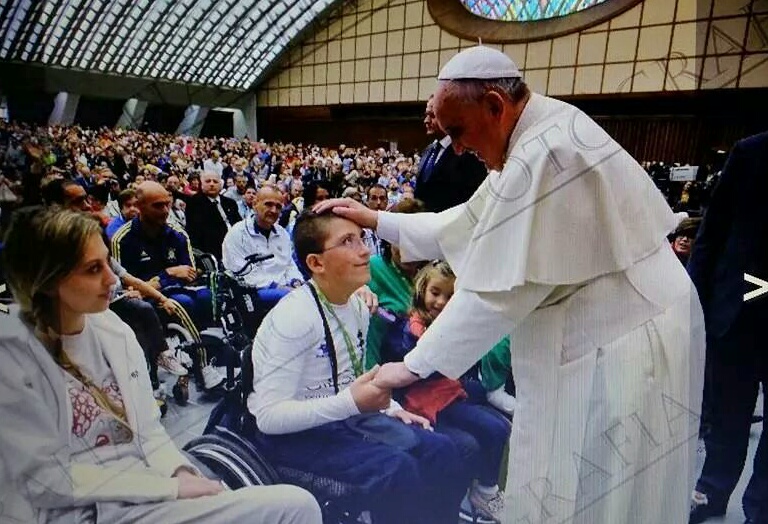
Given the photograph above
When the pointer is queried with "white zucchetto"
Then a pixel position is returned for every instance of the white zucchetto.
(481, 63)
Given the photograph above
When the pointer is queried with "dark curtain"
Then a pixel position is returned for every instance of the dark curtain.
(162, 118)
(98, 112)
(218, 123)
(33, 107)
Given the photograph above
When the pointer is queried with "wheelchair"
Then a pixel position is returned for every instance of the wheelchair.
(237, 310)
(239, 461)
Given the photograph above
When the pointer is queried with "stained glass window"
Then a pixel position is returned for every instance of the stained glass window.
(526, 10)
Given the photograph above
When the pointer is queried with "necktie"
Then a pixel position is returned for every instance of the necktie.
(429, 166)
(223, 214)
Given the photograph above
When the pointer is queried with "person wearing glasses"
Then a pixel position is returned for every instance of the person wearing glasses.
(572, 261)
(682, 239)
(67, 194)
(376, 199)
(317, 412)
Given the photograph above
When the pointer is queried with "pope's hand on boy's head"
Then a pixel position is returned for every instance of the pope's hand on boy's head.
(351, 209)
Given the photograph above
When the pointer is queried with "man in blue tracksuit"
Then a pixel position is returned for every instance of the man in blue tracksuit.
(161, 254)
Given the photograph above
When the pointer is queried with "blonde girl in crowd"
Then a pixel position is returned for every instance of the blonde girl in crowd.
(477, 430)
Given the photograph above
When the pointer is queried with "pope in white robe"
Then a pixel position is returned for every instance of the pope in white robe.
(564, 248)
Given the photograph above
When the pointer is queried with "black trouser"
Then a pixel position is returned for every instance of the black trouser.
(738, 362)
(143, 320)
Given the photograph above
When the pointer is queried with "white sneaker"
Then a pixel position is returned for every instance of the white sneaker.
(212, 377)
(185, 359)
(168, 361)
(488, 506)
(468, 513)
(502, 401)
(223, 371)
(160, 393)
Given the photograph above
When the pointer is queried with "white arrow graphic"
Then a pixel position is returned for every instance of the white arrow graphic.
(761, 290)
(3, 308)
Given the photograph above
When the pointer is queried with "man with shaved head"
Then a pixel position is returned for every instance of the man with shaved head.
(151, 248)
(261, 235)
(158, 252)
(210, 215)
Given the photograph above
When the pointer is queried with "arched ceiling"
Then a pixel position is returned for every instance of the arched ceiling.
(223, 43)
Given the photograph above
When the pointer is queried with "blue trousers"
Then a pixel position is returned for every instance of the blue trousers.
(272, 295)
(197, 305)
(481, 435)
(423, 485)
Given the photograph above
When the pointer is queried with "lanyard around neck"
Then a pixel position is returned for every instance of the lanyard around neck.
(357, 363)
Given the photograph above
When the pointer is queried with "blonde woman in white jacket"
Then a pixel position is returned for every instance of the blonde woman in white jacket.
(81, 440)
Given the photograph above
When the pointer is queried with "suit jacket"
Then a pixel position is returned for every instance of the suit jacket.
(733, 238)
(38, 474)
(205, 226)
(454, 179)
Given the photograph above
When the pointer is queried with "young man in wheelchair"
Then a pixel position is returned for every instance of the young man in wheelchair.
(318, 413)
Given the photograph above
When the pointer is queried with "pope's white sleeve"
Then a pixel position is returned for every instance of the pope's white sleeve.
(415, 234)
(388, 227)
(469, 326)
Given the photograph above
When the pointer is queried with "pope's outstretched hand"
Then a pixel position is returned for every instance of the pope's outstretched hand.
(394, 375)
(351, 209)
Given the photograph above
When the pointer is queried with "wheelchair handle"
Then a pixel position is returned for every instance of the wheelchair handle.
(251, 260)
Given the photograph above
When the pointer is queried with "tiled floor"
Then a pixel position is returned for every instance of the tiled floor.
(185, 423)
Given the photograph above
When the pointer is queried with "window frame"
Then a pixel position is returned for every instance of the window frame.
(455, 18)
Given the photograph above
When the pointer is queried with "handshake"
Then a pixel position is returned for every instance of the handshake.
(372, 391)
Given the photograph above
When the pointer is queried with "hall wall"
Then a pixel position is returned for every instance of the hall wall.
(378, 51)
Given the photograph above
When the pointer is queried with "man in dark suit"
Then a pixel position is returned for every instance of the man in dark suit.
(210, 215)
(732, 243)
(445, 179)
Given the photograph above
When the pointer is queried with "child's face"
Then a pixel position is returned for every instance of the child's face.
(439, 292)
(345, 257)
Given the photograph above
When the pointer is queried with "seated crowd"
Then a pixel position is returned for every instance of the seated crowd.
(430, 453)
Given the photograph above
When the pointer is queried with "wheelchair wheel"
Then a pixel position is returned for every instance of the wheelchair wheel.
(235, 465)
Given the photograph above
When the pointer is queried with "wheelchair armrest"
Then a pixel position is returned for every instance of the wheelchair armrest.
(206, 260)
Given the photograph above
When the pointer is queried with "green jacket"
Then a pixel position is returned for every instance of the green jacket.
(395, 292)
(495, 366)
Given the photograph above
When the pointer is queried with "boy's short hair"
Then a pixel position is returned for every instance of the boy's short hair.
(309, 235)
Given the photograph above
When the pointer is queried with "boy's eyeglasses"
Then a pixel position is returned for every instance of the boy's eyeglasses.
(349, 242)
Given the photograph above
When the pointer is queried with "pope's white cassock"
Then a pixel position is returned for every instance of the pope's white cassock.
(566, 250)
